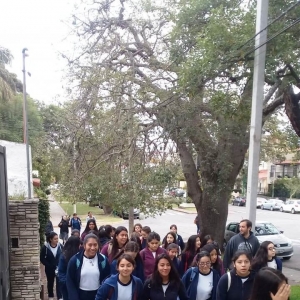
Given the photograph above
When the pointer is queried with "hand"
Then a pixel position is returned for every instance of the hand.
(283, 293)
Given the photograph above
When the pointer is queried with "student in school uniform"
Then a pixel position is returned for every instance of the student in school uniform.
(122, 286)
(165, 282)
(150, 253)
(201, 281)
(87, 270)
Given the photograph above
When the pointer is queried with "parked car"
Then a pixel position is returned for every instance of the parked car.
(265, 231)
(260, 201)
(292, 206)
(179, 192)
(272, 204)
(125, 213)
(239, 201)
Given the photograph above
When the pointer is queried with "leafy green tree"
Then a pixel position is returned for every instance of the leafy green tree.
(9, 84)
(189, 76)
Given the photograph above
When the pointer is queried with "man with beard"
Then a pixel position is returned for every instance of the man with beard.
(245, 240)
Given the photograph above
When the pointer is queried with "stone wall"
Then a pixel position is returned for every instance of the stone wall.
(25, 249)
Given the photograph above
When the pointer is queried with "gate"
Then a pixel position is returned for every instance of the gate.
(4, 230)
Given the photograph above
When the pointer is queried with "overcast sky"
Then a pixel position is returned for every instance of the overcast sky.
(42, 27)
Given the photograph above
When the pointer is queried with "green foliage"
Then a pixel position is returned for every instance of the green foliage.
(44, 215)
(286, 188)
(295, 292)
(11, 120)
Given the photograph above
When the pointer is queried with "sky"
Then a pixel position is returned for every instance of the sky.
(41, 26)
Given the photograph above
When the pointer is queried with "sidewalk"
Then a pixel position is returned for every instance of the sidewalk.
(56, 213)
(292, 275)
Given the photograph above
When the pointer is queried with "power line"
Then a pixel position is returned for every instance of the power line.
(274, 36)
(271, 23)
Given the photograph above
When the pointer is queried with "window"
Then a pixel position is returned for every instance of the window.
(266, 229)
(233, 227)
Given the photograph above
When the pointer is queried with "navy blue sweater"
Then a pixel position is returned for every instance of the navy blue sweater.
(174, 291)
(109, 289)
(74, 270)
(238, 290)
(137, 272)
(47, 258)
(190, 280)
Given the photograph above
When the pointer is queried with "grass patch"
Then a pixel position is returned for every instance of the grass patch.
(295, 292)
(190, 209)
(83, 209)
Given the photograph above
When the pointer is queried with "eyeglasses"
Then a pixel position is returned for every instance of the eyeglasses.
(202, 264)
(272, 249)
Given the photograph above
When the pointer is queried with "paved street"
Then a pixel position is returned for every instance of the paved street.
(185, 222)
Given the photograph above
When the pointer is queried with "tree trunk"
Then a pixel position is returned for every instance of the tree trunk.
(213, 212)
(211, 192)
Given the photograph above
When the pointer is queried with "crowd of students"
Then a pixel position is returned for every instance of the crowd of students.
(111, 263)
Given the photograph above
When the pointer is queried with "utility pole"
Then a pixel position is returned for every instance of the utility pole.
(130, 154)
(25, 125)
(75, 175)
(257, 107)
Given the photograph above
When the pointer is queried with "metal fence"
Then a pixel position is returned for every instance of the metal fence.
(4, 230)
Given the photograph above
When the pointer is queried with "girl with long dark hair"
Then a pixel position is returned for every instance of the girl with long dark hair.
(270, 284)
(105, 234)
(150, 253)
(237, 284)
(112, 248)
(201, 281)
(164, 282)
(123, 285)
(208, 239)
(192, 248)
(216, 261)
(49, 257)
(86, 270)
(135, 237)
(90, 225)
(132, 249)
(169, 239)
(179, 239)
(71, 247)
(266, 257)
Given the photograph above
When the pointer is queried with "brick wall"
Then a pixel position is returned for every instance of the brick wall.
(25, 249)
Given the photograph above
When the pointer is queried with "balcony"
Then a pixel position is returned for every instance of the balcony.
(284, 174)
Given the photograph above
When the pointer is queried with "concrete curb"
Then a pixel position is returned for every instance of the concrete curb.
(183, 211)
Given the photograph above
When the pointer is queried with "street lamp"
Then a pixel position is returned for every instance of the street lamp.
(25, 124)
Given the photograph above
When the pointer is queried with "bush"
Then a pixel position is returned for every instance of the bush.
(44, 215)
(189, 200)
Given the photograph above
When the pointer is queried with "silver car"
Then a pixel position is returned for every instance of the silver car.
(264, 231)
(272, 204)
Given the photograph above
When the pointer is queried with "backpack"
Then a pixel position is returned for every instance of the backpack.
(193, 274)
(71, 222)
